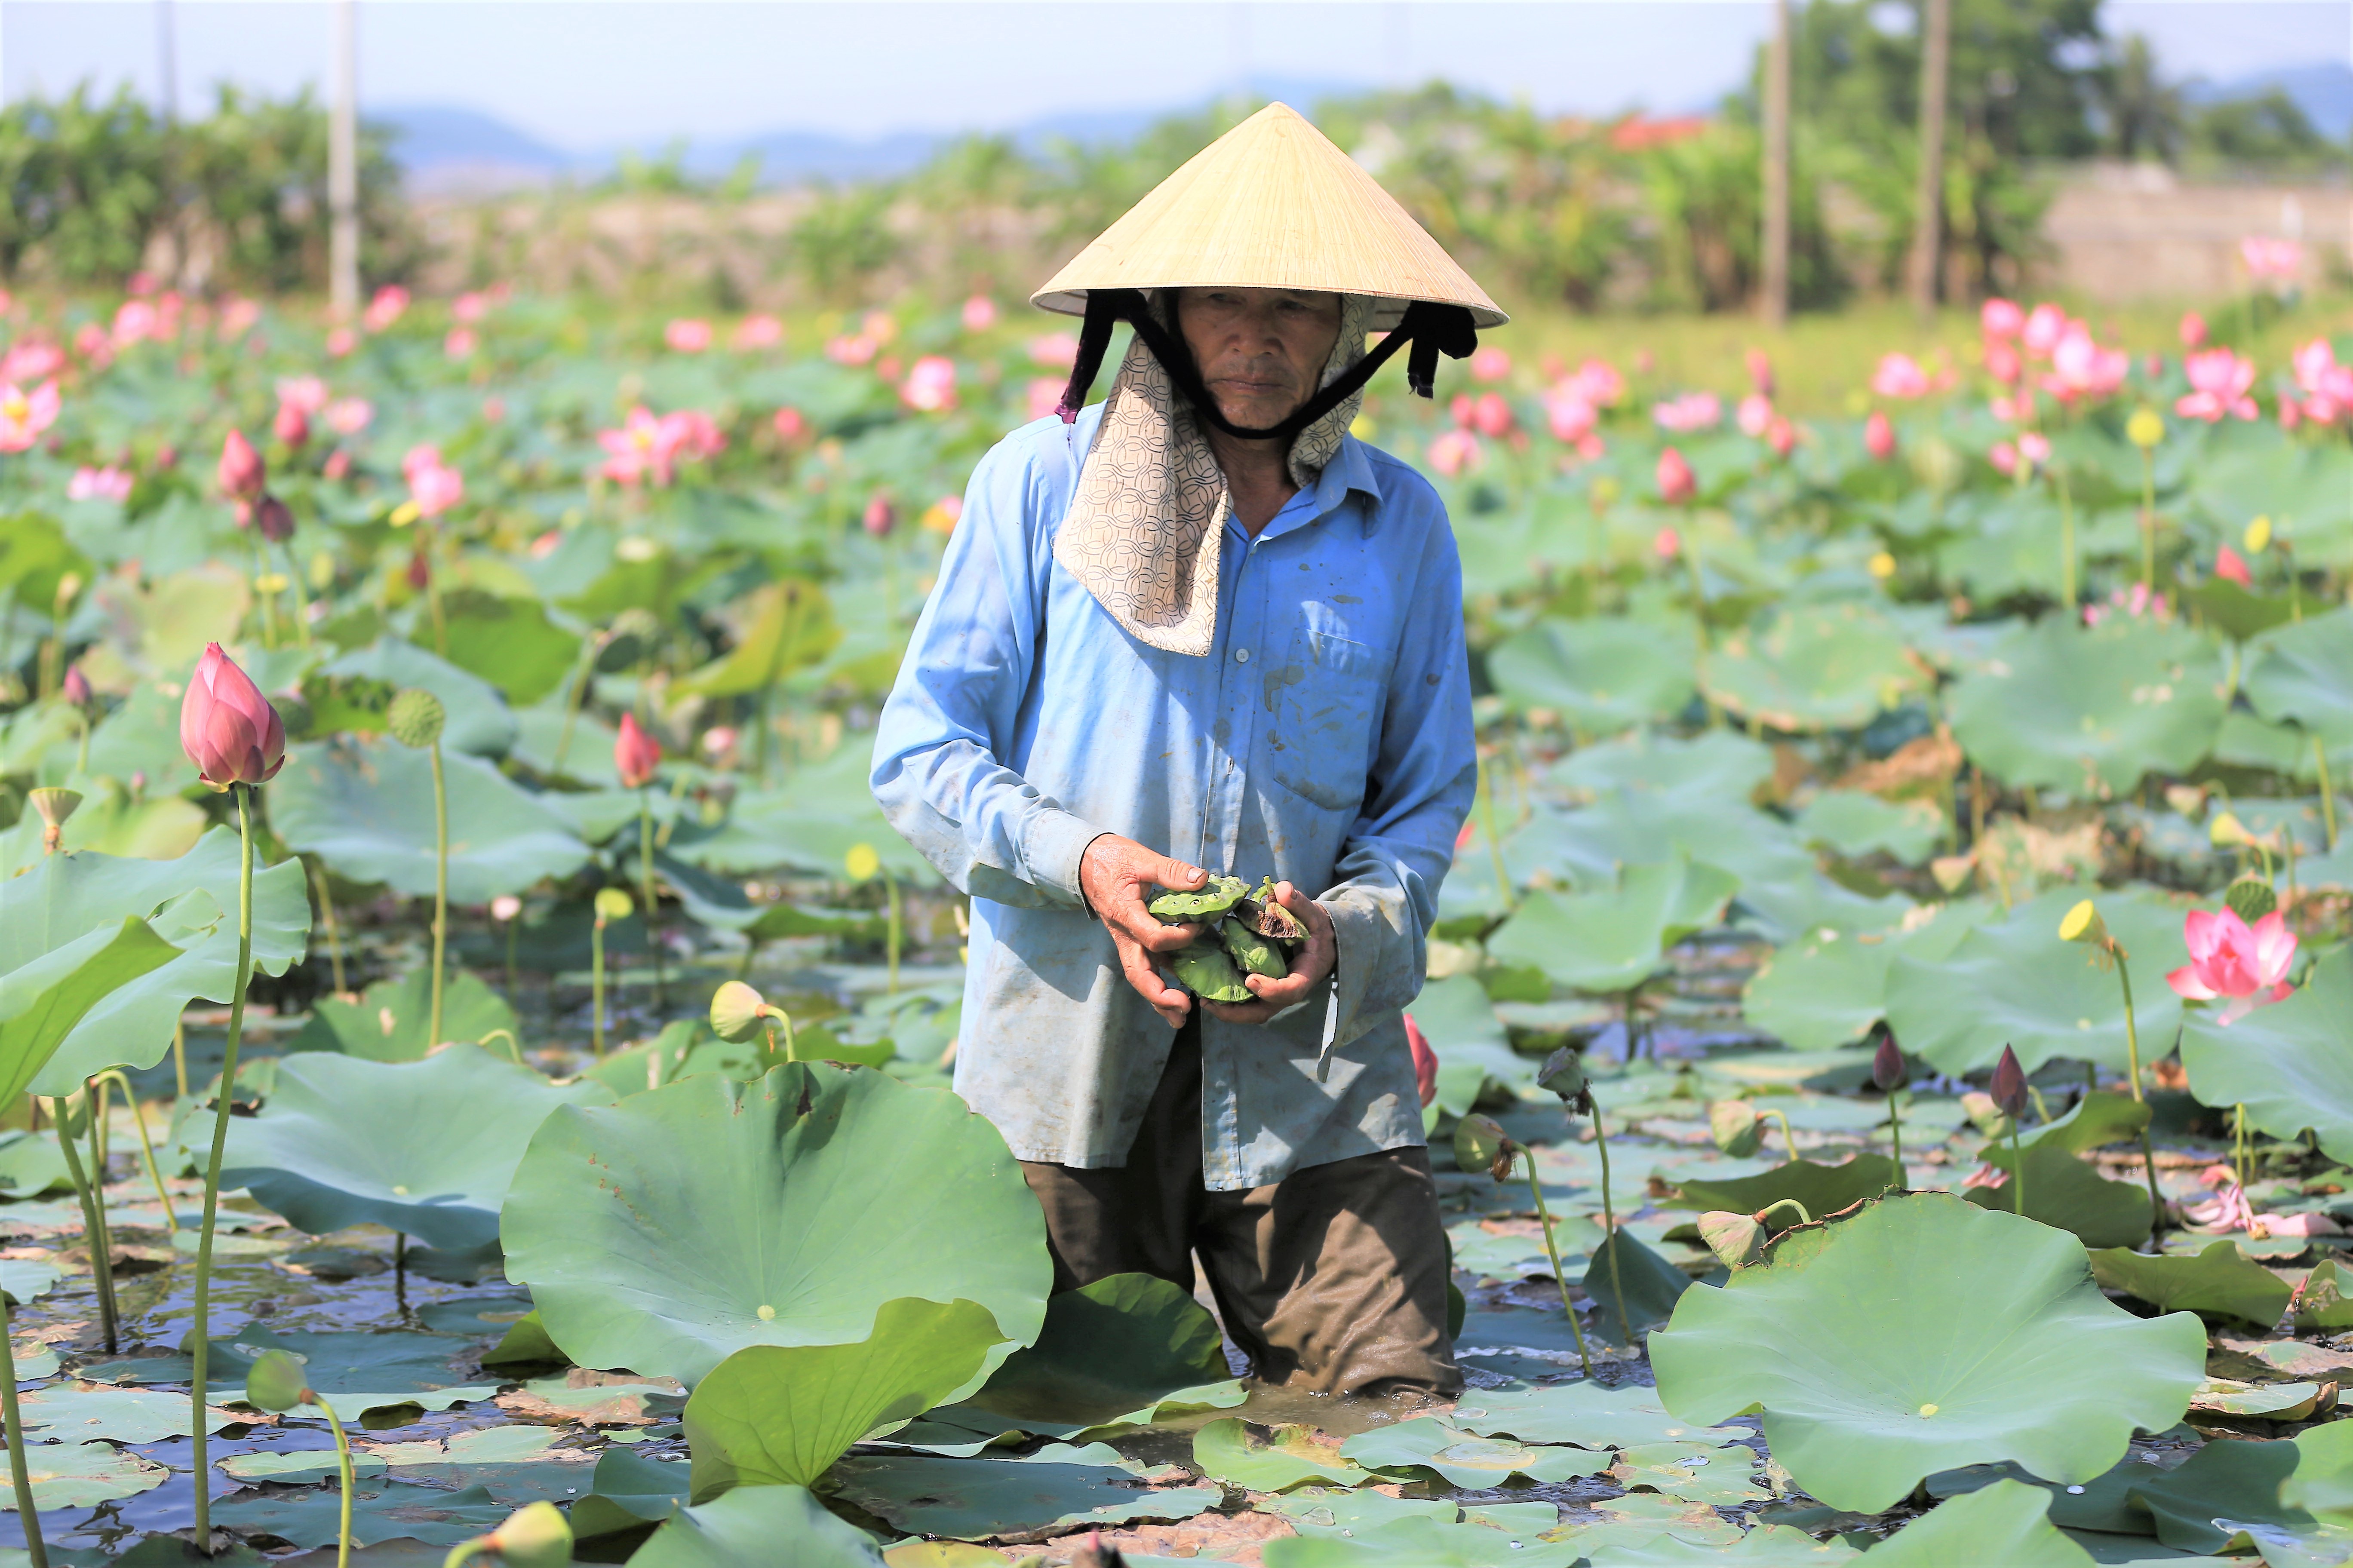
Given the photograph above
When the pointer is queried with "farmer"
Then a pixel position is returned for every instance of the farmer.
(1200, 626)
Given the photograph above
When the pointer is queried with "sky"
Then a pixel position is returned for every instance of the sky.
(584, 74)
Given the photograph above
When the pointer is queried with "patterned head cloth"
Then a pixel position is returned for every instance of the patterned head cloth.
(1145, 530)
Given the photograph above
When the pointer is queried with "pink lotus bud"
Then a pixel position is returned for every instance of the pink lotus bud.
(1781, 435)
(2231, 564)
(1490, 364)
(636, 754)
(338, 465)
(790, 424)
(1667, 544)
(420, 571)
(76, 690)
(2010, 1085)
(1879, 437)
(292, 426)
(505, 907)
(2004, 458)
(2034, 447)
(881, 517)
(242, 474)
(1425, 1060)
(1677, 484)
(1887, 1065)
(2003, 364)
(687, 335)
(341, 341)
(1492, 416)
(167, 456)
(274, 519)
(1760, 371)
(227, 727)
(979, 313)
(2193, 329)
(2000, 318)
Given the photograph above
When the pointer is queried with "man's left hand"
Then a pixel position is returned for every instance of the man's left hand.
(1310, 969)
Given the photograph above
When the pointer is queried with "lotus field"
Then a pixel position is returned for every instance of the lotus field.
(461, 1010)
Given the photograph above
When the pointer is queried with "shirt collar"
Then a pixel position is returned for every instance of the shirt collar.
(1349, 472)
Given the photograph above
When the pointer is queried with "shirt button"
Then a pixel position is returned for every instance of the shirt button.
(1241, 656)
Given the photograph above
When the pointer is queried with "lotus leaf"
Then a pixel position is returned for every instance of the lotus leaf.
(1721, 765)
(381, 1510)
(1613, 941)
(389, 1022)
(1828, 666)
(83, 1411)
(2219, 1282)
(1465, 1458)
(31, 1163)
(784, 626)
(427, 1148)
(366, 808)
(1108, 1348)
(2062, 1190)
(1458, 1019)
(475, 721)
(1651, 1283)
(809, 824)
(1600, 675)
(627, 1491)
(1875, 1365)
(1585, 1413)
(357, 1371)
(1767, 1546)
(2089, 711)
(980, 1500)
(1228, 1451)
(484, 1317)
(44, 1000)
(669, 1231)
(2270, 1401)
(1344, 1512)
(79, 1475)
(781, 1414)
(67, 897)
(2286, 1063)
(2325, 1299)
(2005, 1524)
(758, 1527)
(1823, 1189)
(524, 1344)
(1421, 1544)
(2299, 674)
(1695, 1472)
(24, 1279)
(508, 642)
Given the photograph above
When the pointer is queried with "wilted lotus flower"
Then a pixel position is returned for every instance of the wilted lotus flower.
(241, 473)
(1677, 483)
(2010, 1085)
(54, 804)
(2230, 958)
(1879, 437)
(1425, 1061)
(636, 754)
(227, 727)
(1481, 1144)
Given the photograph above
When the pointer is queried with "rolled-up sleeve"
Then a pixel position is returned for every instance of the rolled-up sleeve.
(1383, 898)
(945, 742)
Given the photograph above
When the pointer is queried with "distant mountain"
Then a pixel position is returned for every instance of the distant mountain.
(2324, 91)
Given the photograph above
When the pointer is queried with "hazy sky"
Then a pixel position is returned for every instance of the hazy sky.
(584, 75)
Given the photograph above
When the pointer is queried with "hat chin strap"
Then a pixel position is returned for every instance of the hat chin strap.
(1431, 329)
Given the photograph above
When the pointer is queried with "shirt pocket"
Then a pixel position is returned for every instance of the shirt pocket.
(1328, 717)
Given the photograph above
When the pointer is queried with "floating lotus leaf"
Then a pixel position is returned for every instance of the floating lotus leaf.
(381, 1510)
(2064, 1191)
(980, 1500)
(2287, 1062)
(1588, 1415)
(2325, 1301)
(1612, 940)
(1823, 1189)
(31, 1163)
(2217, 1283)
(366, 808)
(475, 721)
(2006, 1523)
(1458, 1019)
(1877, 1364)
(81, 1411)
(758, 1527)
(1830, 667)
(1853, 824)
(1422, 1543)
(1600, 674)
(1695, 1472)
(79, 1475)
(67, 897)
(1464, 1459)
(426, 1147)
(1720, 764)
(626, 1491)
(356, 1371)
(669, 1231)
(781, 1414)
(1341, 1511)
(1107, 1349)
(2269, 1401)
(25, 1280)
(509, 642)
(2089, 711)
(390, 1021)
(1228, 1451)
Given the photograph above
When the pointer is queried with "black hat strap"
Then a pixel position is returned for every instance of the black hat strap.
(1431, 329)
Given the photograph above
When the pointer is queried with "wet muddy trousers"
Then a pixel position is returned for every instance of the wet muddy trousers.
(1332, 1280)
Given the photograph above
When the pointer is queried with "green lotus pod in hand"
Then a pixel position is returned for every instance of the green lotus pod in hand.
(1252, 953)
(277, 1381)
(415, 718)
(1203, 968)
(1266, 915)
(1221, 894)
(1481, 1144)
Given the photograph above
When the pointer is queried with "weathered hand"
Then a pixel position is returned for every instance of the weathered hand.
(1113, 874)
(1314, 965)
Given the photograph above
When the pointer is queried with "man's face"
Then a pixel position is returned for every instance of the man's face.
(1262, 350)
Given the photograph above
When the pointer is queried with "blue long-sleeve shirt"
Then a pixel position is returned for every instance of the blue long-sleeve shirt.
(1325, 739)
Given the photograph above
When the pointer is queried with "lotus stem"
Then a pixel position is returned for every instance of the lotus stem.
(2017, 1169)
(597, 986)
(302, 599)
(81, 756)
(2132, 1061)
(1699, 620)
(94, 1215)
(891, 937)
(589, 648)
(261, 590)
(202, 1464)
(440, 888)
(427, 542)
(180, 1055)
(2149, 520)
(514, 1047)
(1552, 1252)
(1803, 1217)
(1896, 1136)
(1609, 1227)
(2066, 537)
(2239, 1144)
(646, 888)
(514, 987)
(1789, 1139)
(343, 1463)
(25, 1513)
(334, 930)
(146, 1147)
(792, 1048)
(2327, 796)
(1494, 838)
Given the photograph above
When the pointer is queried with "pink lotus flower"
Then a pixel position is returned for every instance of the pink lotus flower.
(95, 347)
(433, 485)
(762, 332)
(1054, 351)
(2044, 326)
(338, 466)
(238, 318)
(851, 350)
(2193, 329)
(1677, 484)
(636, 754)
(135, 322)
(1492, 416)
(2218, 381)
(30, 362)
(2002, 364)
(307, 393)
(2227, 1212)
(789, 424)
(650, 447)
(25, 414)
(341, 341)
(242, 473)
(2034, 447)
(2134, 602)
(2273, 260)
(979, 313)
(2000, 318)
(98, 484)
(1425, 1061)
(505, 907)
(1781, 435)
(1453, 451)
(2229, 959)
(469, 306)
(292, 426)
(1899, 375)
(75, 688)
(2231, 566)
(882, 515)
(2081, 368)
(1692, 411)
(385, 308)
(1568, 413)
(227, 727)
(1042, 395)
(461, 344)
(1879, 437)
(1488, 362)
(1754, 414)
(1666, 544)
(349, 416)
(687, 335)
(1599, 383)
(1760, 371)
(930, 385)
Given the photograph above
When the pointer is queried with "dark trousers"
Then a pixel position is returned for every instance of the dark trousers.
(1331, 1281)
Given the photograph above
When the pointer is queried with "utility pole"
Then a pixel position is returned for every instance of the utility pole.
(1774, 304)
(343, 168)
(1928, 215)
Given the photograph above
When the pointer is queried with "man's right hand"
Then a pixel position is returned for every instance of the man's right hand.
(1115, 873)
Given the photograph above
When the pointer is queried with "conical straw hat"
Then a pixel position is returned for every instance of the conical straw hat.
(1272, 204)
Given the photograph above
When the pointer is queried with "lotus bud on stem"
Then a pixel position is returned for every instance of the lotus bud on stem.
(277, 1382)
(536, 1535)
(416, 720)
(2145, 429)
(2082, 924)
(507, 910)
(2010, 1094)
(1480, 1143)
(1887, 1075)
(612, 904)
(738, 1013)
(636, 757)
(1564, 1074)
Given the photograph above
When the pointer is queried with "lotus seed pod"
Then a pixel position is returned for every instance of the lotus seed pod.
(2146, 428)
(1736, 1127)
(2082, 924)
(55, 804)
(613, 904)
(1203, 968)
(277, 1381)
(736, 1010)
(2010, 1085)
(1564, 1074)
(2249, 897)
(1221, 894)
(1888, 1072)
(862, 862)
(535, 1536)
(1251, 954)
(1737, 1239)
(1481, 1144)
(2227, 832)
(415, 718)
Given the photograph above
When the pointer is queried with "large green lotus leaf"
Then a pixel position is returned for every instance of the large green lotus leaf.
(672, 1230)
(366, 808)
(1767, 1546)
(1877, 1360)
(1588, 1415)
(67, 897)
(1466, 1459)
(81, 1475)
(1422, 1543)
(1458, 1019)
(392, 1020)
(808, 823)
(626, 1490)
(2306, 491)
(2302, 673)
(81, 1411)
(356, 1371)
(381, 1510)
(1109, 1348)
(111, 820)
(2064, 1192)
(781, 1414)
(426, 1147)
(31, 1163)
(1613, 941)
(758, 1527)
(1230, 1451)
(1823, 1189)
(785, 626)
(2013, 981)
(475, 721)
(2287, 1062)
(1828, 987)
(1855, 824)
(1599, 675)
(975, 1500)
(2007, 1523)
(45, 999)
(509, 642)
(1650, 1284)
(555, 742)
(2089, 711)
(1724, 764)
(2220, 1282)
(1826, 667)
